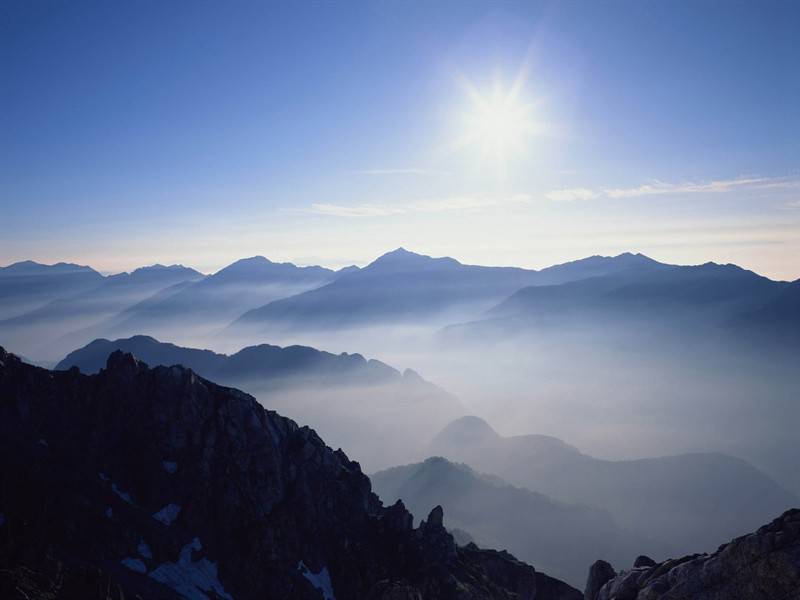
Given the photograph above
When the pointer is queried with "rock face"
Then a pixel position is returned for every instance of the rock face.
(764, 565)
(599, 574)
(156, 483)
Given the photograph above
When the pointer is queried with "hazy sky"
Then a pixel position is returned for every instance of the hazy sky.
(497, 133)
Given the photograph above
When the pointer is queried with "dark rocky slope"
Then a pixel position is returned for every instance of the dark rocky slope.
(764, 565)
(159, 484)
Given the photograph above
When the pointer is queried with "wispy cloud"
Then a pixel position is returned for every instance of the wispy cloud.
(429, 205)
(571, 194)
(400, 171)
(662, 187)
(717, 186)
(575, 194)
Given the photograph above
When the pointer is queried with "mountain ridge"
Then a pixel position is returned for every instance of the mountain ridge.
(220, 497)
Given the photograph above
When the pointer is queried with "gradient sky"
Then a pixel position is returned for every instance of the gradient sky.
(193, 132)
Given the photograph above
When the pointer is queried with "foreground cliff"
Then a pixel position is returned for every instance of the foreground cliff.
(764, 565)
(159, 484)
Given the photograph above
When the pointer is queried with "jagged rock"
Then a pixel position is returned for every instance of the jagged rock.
(436, 517)
(643, 561)
(158, 483)
(764, 565)
(599, 573)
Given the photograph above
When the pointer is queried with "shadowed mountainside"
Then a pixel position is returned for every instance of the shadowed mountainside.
(158, 483)
(685, 501)
(558, 537)
(365, 406)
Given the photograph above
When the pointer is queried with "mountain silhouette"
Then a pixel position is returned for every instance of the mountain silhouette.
(555, 536)
(402, 287)
(157, 483)
(685, 501)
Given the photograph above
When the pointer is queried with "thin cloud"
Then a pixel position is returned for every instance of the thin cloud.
(401, 171)
(429, 205)
(571, 194)
(660, 187)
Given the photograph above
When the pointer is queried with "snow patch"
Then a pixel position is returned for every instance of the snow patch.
(134, 564)
(124, 495)
(109, 512)
(169, 466)
(321, 580)
(102, 476)
(191, 578)
(168, 514)
(144, 550)
(2, 519)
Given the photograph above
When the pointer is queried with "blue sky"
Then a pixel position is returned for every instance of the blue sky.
(136, 132)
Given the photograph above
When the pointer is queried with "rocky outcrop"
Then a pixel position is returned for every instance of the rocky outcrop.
(156, 483)
(764, 565)
(599, 574)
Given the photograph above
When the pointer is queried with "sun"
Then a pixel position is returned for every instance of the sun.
(499, 123)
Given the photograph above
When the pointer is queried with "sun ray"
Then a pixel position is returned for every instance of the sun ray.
(499, 122)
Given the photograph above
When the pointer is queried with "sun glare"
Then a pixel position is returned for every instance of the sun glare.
(499, 124)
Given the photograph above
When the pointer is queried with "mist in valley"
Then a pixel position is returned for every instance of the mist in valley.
(628, 423)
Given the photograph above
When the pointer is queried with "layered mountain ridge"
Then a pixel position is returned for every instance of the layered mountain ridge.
(159, 483)
(672, 503)
(559, 537)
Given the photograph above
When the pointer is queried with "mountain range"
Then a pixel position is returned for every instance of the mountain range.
(70, 310)
(264, 363)
(28, 285)
(674, 503)
(144, 483)
(711, 298)
(156, 483)
(52, 309)
(363, 405)
(558, 537)
(402, 286)
(220, 298)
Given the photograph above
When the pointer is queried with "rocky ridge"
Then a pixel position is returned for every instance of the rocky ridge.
(764, 565)
(156, 483)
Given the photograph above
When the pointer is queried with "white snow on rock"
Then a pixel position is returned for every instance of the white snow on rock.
(191, 578)
(134, 564)
(168, 514)
(102, 476)
(321, 580)
(169, 466)
(144, 550)
(109, 512)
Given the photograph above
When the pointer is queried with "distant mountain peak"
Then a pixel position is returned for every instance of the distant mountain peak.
(158, 270)
(251, 261)
(634, 256)
(261, 264)
(467, 430)
(31, 267)
(405, 258)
